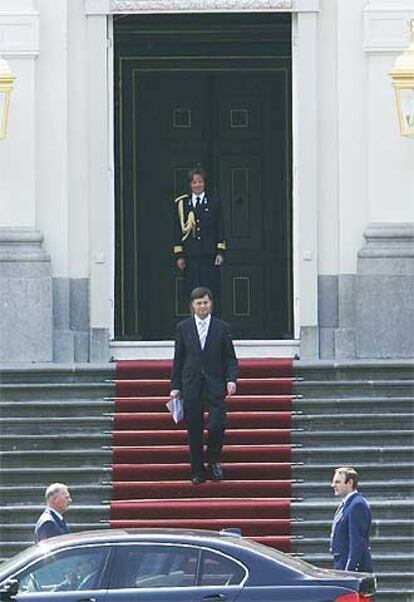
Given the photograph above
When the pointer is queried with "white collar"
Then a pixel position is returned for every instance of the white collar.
(58, 514)
(205, 321)
(200, 196)
(346, 498)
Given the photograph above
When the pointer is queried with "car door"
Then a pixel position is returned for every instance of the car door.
(173, 573)
(220, 577)
(73, 575)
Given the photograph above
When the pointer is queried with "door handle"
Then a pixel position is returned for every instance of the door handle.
(87, 600)
(215, 598)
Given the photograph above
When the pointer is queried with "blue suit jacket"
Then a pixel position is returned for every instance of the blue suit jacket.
(350, 535)
(49, 525)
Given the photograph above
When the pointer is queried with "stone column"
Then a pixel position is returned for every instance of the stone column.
(25, 297)
(385, 292)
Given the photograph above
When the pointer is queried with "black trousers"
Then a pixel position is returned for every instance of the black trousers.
(194, 417)
(201, 271)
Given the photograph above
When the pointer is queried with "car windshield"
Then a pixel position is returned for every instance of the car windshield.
(10, 565)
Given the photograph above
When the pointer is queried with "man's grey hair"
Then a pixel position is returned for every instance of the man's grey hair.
(53, 489)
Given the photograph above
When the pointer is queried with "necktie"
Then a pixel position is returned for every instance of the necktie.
(198, 201)
(336, 518)
(202, 332)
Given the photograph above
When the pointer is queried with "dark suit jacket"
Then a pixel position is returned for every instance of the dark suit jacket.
(350, 537)
(49, 525)
(208, 237)
(216, 363)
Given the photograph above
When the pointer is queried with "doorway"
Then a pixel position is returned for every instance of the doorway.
(213, 90)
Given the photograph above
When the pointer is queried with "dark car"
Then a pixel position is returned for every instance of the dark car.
(171, 565)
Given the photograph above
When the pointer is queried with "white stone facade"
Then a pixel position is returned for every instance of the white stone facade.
(351, 167)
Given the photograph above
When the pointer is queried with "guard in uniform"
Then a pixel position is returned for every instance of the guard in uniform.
(199, 237)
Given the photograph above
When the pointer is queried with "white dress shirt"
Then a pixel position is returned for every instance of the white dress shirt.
(339, 510)
(197, 196)
(58, 514)
(202, 329)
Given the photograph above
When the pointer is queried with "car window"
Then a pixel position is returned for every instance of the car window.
(71, 570)
(220, 570)
(145, 566)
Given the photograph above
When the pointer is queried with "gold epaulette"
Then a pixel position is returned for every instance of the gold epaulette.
(183, 196)
(221, 246)
(178, 249)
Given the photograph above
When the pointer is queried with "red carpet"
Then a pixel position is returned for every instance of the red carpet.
(151, 484)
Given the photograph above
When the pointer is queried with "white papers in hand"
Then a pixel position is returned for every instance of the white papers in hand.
(175, 406)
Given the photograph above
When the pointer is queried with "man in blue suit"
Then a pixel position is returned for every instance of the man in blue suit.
(204, 372)
(52, 522)
(351, 524)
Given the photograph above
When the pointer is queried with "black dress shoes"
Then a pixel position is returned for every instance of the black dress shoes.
(216, 472)
(197, 479)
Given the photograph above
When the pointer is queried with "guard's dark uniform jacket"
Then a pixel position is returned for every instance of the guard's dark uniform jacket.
(199, 231)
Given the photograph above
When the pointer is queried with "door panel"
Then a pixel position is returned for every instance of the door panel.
(85, 596)
(245, 300)
(241, 184)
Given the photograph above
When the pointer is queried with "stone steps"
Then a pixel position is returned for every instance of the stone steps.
(380, 528)
(382, 545)
(80, 474)
(358, 414)
(395, 437)
(383, 562)
(396, 489)
(321, 509)
(395, 595)
(369, 370)
(317, 472)
(52, 442)
(341, 405)
(56, 424)
(19, 536)
(47, 408)
(54, 428)
(87, 514)
(343, 455)
(83, 493)
(355, 388)
(326, 421)
(56, 391)
(56, 373)
(45, 425)
(69, 458)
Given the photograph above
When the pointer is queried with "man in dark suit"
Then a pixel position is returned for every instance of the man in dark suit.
(52, 522)
(199, 236)
(351, 524)
(204, 371)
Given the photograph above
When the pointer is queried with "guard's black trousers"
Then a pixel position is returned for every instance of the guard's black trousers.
(201, 271)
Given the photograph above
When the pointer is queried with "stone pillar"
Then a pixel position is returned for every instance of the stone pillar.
(26, 322)
(385, 292)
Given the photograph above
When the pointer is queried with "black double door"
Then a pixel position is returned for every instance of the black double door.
(236, 123)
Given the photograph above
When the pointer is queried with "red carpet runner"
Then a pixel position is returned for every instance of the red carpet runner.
(151, 486)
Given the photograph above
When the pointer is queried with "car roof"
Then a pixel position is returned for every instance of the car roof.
(155, 534)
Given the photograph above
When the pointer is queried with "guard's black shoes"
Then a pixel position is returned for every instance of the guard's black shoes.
(198, 479)
(216, 472)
